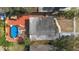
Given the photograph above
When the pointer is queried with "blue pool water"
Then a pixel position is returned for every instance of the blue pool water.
(13, 31)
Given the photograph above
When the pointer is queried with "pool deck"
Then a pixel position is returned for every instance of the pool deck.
(18, 22)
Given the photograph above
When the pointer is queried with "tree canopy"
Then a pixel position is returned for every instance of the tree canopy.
(70, 13)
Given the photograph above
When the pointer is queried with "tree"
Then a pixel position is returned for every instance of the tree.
(27, 44)
(16, 11)
(71, 13)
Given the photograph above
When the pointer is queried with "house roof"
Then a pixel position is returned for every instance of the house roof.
(42, 25)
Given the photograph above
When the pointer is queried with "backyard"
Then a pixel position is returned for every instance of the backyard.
(66, 24)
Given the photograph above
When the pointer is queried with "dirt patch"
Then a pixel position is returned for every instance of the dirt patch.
(39, 42)
(77, 25)
(42, 48)
(16, 47)
(66, 25)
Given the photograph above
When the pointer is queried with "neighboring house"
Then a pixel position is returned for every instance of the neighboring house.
(50, 9)
(45, 9)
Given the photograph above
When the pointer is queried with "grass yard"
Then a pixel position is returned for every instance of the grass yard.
(16, 47)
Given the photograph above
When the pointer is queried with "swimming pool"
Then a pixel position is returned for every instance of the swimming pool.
(13, 31)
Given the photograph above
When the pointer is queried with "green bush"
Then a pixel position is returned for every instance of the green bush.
(26, 41)
(5, 43)
(64, 43)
